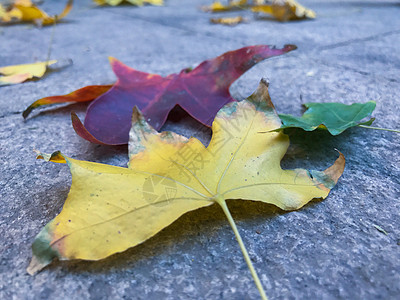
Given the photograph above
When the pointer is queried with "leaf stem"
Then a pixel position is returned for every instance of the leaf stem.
(221, 201)
(51, 41)
(379, 128)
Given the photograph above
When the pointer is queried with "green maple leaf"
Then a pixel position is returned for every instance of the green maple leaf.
(334, 117)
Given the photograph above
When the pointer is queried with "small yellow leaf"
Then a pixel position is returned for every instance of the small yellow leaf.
(109, 2)
(217, 6)
(228, 21)
(284, 11)
(26, 11)
(20, 73)
(155, 2)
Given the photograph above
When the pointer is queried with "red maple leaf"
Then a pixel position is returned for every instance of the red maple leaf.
(201, 92)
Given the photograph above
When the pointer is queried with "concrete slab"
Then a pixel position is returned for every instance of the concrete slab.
(328, 250)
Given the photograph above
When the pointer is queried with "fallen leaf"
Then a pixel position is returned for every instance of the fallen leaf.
(201, 92)
(26, 11)
(282, 10)
(287, 10)
(335, 117)
(228, 21)
(20, 73)
(217, 6)
(134, 2)
(85, 94)
(110, 209)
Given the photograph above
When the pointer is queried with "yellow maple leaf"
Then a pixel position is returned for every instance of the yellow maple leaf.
(287, 10)
(19, 73)
(134, 2)
(217, 6)
(110, 209)
(26, 11)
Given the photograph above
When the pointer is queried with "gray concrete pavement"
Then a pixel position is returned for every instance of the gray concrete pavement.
(327, 250)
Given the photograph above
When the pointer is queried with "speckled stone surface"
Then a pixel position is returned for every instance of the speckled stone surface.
(330, 249)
